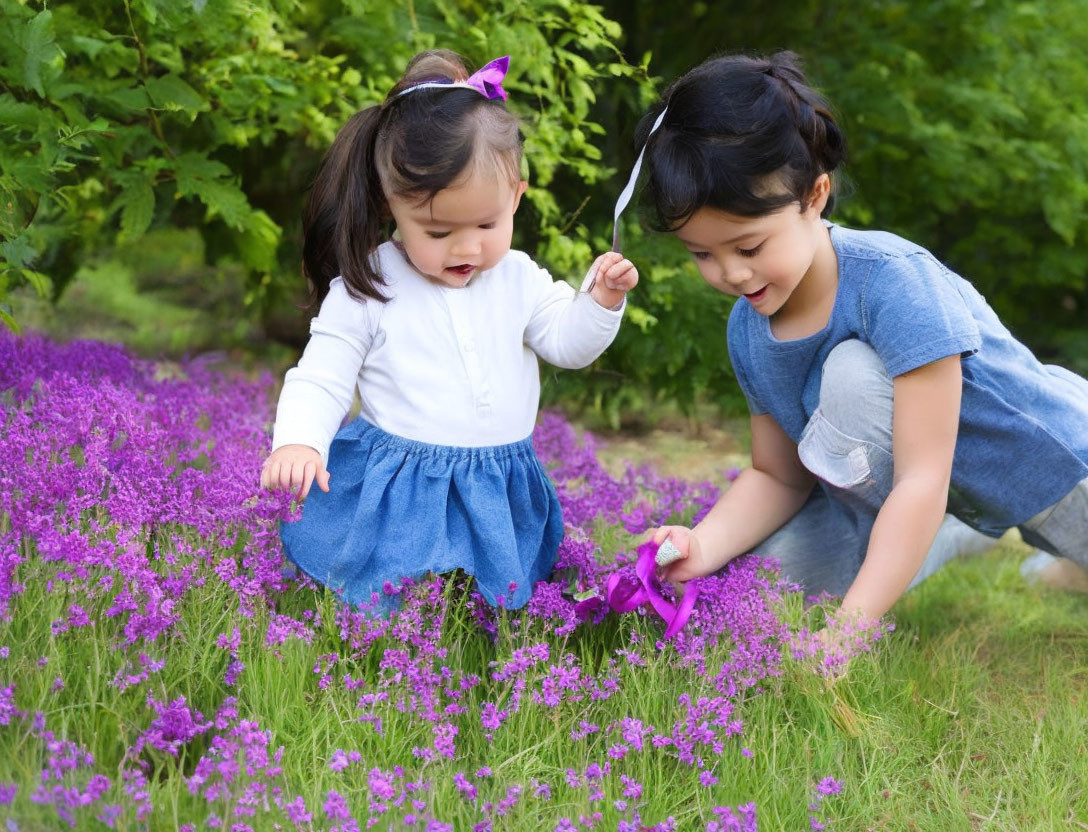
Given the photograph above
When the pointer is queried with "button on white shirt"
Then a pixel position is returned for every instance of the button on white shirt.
(443, 365)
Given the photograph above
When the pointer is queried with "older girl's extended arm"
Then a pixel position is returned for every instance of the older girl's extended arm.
(761, 499)
(925, 423)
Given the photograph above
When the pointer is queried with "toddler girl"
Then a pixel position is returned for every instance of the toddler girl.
(883, 390)
(439, 327)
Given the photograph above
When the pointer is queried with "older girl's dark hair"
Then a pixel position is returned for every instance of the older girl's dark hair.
(411, 146)
(744, 135)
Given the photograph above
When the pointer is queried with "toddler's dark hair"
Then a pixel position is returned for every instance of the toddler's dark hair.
(412, 146)
(744, 135)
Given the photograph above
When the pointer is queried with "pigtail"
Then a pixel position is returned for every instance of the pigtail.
(345, 217)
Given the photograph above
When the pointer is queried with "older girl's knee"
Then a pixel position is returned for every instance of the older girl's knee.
(856, 392)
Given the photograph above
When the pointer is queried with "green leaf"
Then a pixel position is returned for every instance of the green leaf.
(19, 251)
(207, 180)
(129, 98)
(258, 242)
(191, 169)
(137, 201)
(9, 321)
(225, 199)
(41, 283)
(17, 114)
(37, 41)
(169, 92)
(89, 46)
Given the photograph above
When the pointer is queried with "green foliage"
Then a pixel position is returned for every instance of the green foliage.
(120, 118)
(967, 122)
(970, 134)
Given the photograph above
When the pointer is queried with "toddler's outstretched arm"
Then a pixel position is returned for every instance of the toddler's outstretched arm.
(569, 328)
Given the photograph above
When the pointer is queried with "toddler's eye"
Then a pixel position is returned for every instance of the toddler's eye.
(749, 252)
(488, 225)
(437, 235)
(701, 255)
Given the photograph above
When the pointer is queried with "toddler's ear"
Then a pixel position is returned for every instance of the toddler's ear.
(519, 191)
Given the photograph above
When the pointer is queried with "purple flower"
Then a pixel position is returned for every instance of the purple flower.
(828, 786)
(335, 807)
(297, 812)
(339, 760)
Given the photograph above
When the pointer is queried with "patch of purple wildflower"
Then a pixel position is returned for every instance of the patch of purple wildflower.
(128, 496)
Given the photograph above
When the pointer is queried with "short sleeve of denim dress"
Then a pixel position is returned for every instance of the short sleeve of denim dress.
(912, 313)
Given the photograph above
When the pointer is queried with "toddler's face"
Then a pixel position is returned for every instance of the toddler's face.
(762, 259)
(464, 230)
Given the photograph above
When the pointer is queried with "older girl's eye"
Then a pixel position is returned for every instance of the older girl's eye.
(701, 255)
(437, 235)
(488, 225)
(749, 252)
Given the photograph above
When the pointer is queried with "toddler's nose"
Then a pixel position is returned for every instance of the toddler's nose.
(466, 245)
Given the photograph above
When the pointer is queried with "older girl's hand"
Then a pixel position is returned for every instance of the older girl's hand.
(691, 563)
(294, 468)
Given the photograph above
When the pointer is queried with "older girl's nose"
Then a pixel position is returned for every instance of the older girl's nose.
(735, 272)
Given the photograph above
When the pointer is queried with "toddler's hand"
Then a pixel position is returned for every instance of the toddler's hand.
(294, 467)
(616, 276)
(690, 564)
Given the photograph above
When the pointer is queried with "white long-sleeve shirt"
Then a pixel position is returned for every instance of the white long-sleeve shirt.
(442, 365)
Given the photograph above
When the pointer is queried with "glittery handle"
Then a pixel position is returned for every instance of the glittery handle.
(667, 553)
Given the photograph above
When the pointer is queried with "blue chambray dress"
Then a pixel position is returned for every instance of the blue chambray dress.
(401, 508)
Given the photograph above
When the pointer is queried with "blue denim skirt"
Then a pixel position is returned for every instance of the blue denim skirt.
(398, 508)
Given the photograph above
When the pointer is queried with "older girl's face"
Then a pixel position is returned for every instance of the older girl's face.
(762, 259)
(464, 230)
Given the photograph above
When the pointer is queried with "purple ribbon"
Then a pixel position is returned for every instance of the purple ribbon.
(487, 80)
(626, 595)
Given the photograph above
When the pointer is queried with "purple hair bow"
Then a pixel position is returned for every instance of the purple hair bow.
(625, 595)
(487, 80)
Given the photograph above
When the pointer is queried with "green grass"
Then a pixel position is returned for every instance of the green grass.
(972, 715)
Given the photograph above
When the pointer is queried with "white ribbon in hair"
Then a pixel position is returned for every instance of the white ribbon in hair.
(629, 190)
(625, 197)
